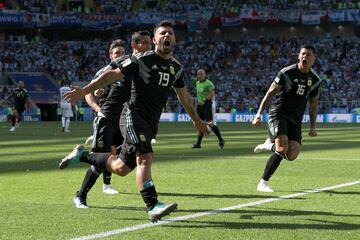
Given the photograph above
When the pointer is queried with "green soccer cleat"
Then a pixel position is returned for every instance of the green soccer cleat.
(73, 157)
(160, 210)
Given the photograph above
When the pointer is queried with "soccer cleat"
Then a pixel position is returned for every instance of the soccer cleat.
(153, 141)
(263, 186)
(160, 210)
(89, 140)
(80, 202)
(266, 146)
(196, 145)
(12, 129)
(73, 157)
(108, 189)
(221, 143)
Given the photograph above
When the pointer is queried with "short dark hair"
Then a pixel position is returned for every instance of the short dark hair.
(116, 43)
(135, 37)
(311, 47)
(164, 23)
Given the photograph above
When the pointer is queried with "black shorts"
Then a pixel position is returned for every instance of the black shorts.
(19, 110)
(205, 111)
(282, 125)
(106, 134)
(137, 135)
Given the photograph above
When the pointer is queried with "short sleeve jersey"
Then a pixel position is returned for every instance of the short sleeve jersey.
(119, 93)
(296, 89)
(63, 90)
(19, 96)
(153, 77)
(203, 88)
(101, 99)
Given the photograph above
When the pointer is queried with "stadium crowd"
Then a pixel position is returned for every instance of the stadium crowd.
(174, 6)
(247, 65)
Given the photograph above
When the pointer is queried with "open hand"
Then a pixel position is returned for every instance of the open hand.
(256, 122)
(202, 127)
(74, 95)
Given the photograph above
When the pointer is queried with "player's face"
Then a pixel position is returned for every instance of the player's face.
(201, 75)
(21, 84)
(306, 58)
(144, 44)
(116, 53)
(164, 40)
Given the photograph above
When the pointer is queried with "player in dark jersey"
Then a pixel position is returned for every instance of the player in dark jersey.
(20, 97)
(288, 96)
(154, 74)
(106, 124)
(104, 134)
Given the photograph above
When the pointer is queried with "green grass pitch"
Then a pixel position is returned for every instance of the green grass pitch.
(35, 196)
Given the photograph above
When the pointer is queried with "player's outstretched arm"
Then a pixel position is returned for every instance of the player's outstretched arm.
(313, 110)
(104, 79)
(186, 100)
(273, 90)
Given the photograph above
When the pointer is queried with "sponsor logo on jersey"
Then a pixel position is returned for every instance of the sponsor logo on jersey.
(172, 70)
(100, 144)
(296, 80)
(154, 67)
(142, 138)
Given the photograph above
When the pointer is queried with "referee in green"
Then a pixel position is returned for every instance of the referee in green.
(205, 93)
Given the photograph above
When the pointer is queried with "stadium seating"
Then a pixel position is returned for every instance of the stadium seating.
(41, 88)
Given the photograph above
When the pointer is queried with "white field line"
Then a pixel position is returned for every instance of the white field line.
(212, 212)
(253, 157)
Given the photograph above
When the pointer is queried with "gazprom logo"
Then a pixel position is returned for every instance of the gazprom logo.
(184, 118)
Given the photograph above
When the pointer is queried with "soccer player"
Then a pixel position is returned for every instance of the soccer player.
(106, 124)
(154, 74)
(205, 93)
(20, 97)
(66, 108)
(287, 97)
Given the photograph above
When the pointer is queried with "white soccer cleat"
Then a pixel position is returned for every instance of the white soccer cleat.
(89, 140)
(153, 141)
(12, 129)
(263, 186)
(79, 202)
(266, 146)
(108, 189)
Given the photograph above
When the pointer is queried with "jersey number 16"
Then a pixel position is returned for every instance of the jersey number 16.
(301, 89)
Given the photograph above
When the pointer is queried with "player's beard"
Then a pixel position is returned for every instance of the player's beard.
(166, 47)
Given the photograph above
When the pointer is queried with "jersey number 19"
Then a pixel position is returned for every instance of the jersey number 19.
(164, 79)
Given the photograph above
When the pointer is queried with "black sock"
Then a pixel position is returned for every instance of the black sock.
(107, 177)
(90, 178)
(199, 139)
(216, 130)
(13, 121)
(99, 160)
(149, 195)
(271, 165)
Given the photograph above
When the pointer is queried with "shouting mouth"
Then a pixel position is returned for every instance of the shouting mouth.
(167, 43)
